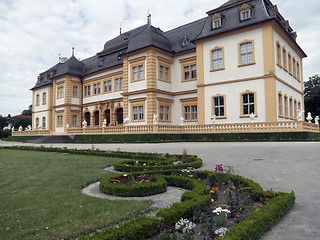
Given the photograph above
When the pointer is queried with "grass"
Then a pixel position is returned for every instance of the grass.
(40, 196)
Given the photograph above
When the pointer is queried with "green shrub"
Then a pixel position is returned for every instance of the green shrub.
(136, 190)
(190, 201)
(159, 164)
(140, 228)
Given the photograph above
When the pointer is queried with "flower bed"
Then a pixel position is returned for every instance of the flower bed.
(133, 185)
(169, 163)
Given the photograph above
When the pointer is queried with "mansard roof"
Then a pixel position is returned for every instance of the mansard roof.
(174, 41)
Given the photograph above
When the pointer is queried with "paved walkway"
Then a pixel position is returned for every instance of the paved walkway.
(281, 166)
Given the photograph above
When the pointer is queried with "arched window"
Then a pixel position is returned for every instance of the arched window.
(87, 118)
(107, 116)
(96, 118)
(120, 115)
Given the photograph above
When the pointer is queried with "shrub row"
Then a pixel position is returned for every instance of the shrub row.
(207, 137)
(141, 228)
(190, 201)
(165, 164)
(136, 190)
(260, 221)
(116, 154)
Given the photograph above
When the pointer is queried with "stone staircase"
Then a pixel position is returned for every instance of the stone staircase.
(52, 139)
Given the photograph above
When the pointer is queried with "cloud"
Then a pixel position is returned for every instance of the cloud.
(34, 33)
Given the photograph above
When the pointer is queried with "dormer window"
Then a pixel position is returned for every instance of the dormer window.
(185, 41)
(245, 12)
(100, 62)
(125, 36)
(216, 21)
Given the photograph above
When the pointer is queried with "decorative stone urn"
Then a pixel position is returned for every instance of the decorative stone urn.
(309, 118)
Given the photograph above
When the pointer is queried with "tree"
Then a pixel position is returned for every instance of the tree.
(21, 121)
(312, 95)
(27, 111)
(3, 122)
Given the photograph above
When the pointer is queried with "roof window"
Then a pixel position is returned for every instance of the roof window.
(216, 21)
(245, 12)
(100, 62)
(185, 41)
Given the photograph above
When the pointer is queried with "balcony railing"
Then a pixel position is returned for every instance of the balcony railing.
(256, 127)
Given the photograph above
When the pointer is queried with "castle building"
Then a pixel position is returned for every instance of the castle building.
(240, 60)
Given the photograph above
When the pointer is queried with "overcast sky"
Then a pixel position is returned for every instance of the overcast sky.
(34, 32)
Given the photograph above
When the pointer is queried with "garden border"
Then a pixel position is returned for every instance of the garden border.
(145, 227)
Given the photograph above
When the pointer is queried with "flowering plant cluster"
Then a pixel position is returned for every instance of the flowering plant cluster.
(140, 178)
(219, 168)
(184, 225)
(244, 188)
(221, 231)
(219, 210)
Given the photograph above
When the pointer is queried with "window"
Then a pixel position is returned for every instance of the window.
(190, 113)
(245, 15)
(85, 91)
(245, 12)
(94, 88)
(89, 90)
(294, 67)
(109, 86)
(60, 121)
(74, 120)
(248, 102)
(60, 92)
(290, 63)
(295, 108)
(285, 106)
(137, 109)
(219, 106)
(140, 68)
(117, 84)
(280, 113)
(44, 98)
(246, 53)
(75, 91)
(37, 122)
(121, 83)
(37, 100)
(135, 73)
(284, 59)
(164, 109)
(217, 23)
(164, 113)
(188, 69)
(186, 73)
(291, 107)
(217, 59)
(278, 54)
(298, 71)
(98, 88)
(43, 122)
(137, 113)
(164, 73)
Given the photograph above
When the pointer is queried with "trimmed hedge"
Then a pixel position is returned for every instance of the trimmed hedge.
(135, 190)
(190, 201)
(141, 228)
(205, 137)
(160, 164)
(261, 221)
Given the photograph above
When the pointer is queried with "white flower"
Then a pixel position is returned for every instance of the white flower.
(184, 224)
(221, 231)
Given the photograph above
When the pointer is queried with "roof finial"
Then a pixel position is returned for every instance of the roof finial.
(121, 26)
(149, 17)
(72, 51)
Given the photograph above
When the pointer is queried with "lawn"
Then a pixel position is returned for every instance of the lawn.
(40, 196)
